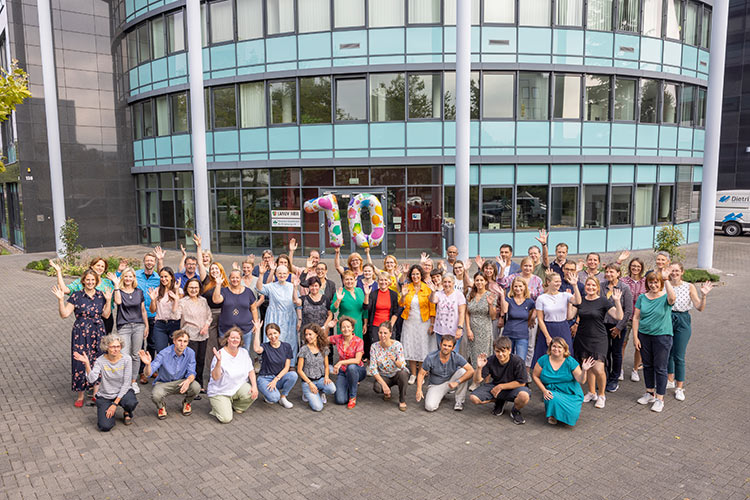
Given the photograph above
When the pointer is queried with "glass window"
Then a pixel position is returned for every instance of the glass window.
(669, 103)
(621, 205)
(449, 206)
(664, 211)
(249, 19)
(179, 112)
(279, 16)
(222, 24)
(283, 98)
(424, 11)
(386, 13)
(348, 13)
(497, 207)
(701, 108)
(564, 206)
(224, 107)
(687, 101)
(132, 40)
(257, 208)
(691, 23)
(652, 18)
(624, 99)
(204, 25)
(644, 205)
(706, 28)
(628, 15)
(148, 119)
(531, 207)
(533, 96)
(252, 105)
(569, 13)
(695, 203)
(500, 11)
(649, 101)
(424, 95)
(207, 107)
(350, 99)
(567, 96)
(534, 12)
(137, 121)
(597, 98)
(314, 15)
(498, 95)
(162, 115)
(594, 206)
(683, 193)
(674, 19)
(176, 32)
(387, 97)
(449, 95)
(599, 15)
(449, 12)
(315, 99)
(157, 37)
(144, 53)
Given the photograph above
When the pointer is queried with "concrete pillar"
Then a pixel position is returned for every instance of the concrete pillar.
(463, 125)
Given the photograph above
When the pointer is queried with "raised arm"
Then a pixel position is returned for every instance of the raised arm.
(257, 332)
(216, 296)
(542, 238)
(292, 248)
(181, 266)
(700, 303)
(60, 282)
(337, 261)
(616, 312)
(64, 308)
(202, 271)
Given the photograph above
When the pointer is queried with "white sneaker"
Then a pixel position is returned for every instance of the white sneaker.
(136, 388)
(283, 401)
(323, 398)
(679, 394)
(646, 399)
(634, 376)
(590, 396)
(412, 379)
(670, 384)
(658, 405)
(600, 402)
(622, 376)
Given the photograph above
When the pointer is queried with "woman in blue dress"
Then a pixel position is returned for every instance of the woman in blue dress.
(558, 375)
(283, 300)
(99, 266)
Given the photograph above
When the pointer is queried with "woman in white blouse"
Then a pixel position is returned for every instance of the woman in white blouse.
(232, 386)
(553, 312)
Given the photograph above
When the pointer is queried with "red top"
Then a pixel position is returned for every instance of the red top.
(356, 345)
(382, 308)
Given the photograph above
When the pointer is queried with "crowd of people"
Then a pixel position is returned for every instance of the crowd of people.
(562, 324)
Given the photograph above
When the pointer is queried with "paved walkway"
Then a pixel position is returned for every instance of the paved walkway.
(695, 449)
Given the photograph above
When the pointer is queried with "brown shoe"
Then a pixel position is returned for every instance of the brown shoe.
(143, 380)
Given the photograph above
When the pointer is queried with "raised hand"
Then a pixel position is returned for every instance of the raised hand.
(665, 273)
(617, 294)
(623, 256)
(707, 287)
(219, 279)
(257, 326)
(571, 278)
(160, 254)
(479, 261)
(153, 293)
(423, 258)
(81, 356)
(331, 324)
(235, 266)
(108, 295)
(337, 250)
(295, 280)
(481, 360)
(339, 295)
(403, 269)
(501, 265)
(310, 263)
(292, 245)
(145, 357)
(173, 295)
(542, 238)
(58, 292)
(580, 265)
(197, 239)
(114, 279)
(178, 284)
(404, 289)
(54, 264)
(588, 363)
(182, 250)
(367, 250)
(367, 289)
(217, 354)
(122, 265)
(251, 259)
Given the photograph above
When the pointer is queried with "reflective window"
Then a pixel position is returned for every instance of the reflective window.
(674, 19)
(162, 115)
(204, 25)
(669, 103)
(279, 16)
(224, 107)
(179, 112)
(652, 18)
(701, 108)
(148, 119)
(599, 15)
(691, 23)
(644, 205)
(594, 206)
(567, 96)
(283, 98)
(534, 12)
(649, 102)
(314, 15)
(158, 37)
(252, 105)
(424, 11)
(533, 96)
(144, 53)
(597, 98)
(176, 32)
(624, 99)
(315, 100)
(497, 207)
(387, 101)
(695, 203)
(500, 87)
(628, 15)
(222, 24)
(621, 205)
(531, 207)
(564, 206)
(348, 13)
(249, 19)
(424, 95)
(706, 28)
(683, 193)
(132, 41)
(449, 12)
(386, 13)
(500, 11)
(449, 205)
(449, 95)
(569, 13)
(350, 99)
(687, 101)
(137, 121)
(664, 210)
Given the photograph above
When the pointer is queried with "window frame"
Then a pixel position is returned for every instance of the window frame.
(631, 211)
(269, 97)
(407, 95)
(576, 224)
(552, 97)
(483, 95)
(334, 98)
(512, 227)
(213, 107)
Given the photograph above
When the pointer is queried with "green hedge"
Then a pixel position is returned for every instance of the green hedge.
(698, 276)
(39, 265)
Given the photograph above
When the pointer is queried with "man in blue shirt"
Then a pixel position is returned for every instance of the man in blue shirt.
(176, 367)
(448, 371)
(191, 271)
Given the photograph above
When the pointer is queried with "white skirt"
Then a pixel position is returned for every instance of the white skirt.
(415, 337)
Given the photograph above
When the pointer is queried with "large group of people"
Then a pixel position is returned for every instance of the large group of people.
(485, 335)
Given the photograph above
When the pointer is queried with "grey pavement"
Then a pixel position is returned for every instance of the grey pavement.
(695, 449)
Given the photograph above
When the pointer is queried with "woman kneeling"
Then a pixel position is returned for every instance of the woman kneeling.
(228, 388)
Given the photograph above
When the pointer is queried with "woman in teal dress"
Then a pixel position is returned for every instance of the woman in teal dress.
(350, 301)
(559, 376)
(283, 300)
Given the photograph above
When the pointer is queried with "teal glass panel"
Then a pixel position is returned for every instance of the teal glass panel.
(163, 147)
(596, 134)
(672, 53)
(349, 43)
(387, 135)
(283, 138)
(279, 49)
(476, 42)
(294, 155)
(685, 138)
(651, 49)
(314, 46)
(181, 145)
(699, 139)
(209, 143)
(222, 57)
(623, 135)
(535, 40)
(619, 239)
(570, 238)
(593, 240)
(449, 175)
(666, 173)
(498, 174)
(498, 40)
(144, 74)
(350, 135)
(646, 174)
(565, 174)
(137, 150)
(532, 134)
(497, 133)
(375, 153)
(251, 52)
(595, 174)
(474, 138)
(206, 60)
(226, 141)
(149, 149)
(386, 41)
(643, 237)
(159, 70)
(623, 174)
(567, 42)
(351, 153)
(703, 63)
(532, 174)
(424, 135)
(427, 40)
(648, 136)
(566, 134)
(668, 137)
(689, 57)
(698, 173)
(627, 47)
(599, 44)
(253, 140)
(489, 243)
(694, 230)
(524, 240)
(316, 137)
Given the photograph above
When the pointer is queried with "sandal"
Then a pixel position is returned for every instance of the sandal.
(402, 406)
(78, 403)
(128, 419)
(386, 397)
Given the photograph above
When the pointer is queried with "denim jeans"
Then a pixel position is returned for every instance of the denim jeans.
(283, 386)
(162, 333)
(347, 383)
(316, 404)
(128, 403)
(519, 347)
(655, 355)
(132, 340)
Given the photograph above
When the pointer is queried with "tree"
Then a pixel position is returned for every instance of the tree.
(13, 91)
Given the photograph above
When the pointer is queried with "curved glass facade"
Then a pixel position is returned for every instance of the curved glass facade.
(587, 118)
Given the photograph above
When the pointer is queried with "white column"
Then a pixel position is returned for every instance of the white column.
(49, 81)
(713, 132)
(198, 122)
(463, 125)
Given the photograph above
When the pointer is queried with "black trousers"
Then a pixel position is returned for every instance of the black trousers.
(128, 403)
(199, 346)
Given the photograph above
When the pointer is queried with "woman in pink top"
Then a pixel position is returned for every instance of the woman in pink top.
(165, 302)
(637, 284)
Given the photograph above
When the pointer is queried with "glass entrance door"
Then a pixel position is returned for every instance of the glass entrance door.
(344, 196)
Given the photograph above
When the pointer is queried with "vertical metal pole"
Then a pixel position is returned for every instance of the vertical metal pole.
(49, 81)
(463, 125)
(713, 132)
(198, 122)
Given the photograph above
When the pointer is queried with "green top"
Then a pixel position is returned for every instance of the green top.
(354, 307)
(656, 315)
(540, 271)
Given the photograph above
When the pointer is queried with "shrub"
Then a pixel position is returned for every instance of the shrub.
(39, 265)
(669, 239)
(69, 236)
(699, 276)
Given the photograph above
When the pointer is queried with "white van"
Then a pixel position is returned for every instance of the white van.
(733, 211)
